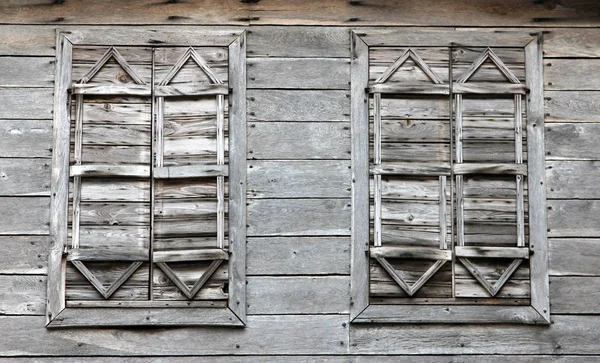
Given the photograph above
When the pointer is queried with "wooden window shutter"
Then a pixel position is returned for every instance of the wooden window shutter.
(147, 227)
(447, 132)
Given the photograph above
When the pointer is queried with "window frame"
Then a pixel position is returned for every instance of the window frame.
(148, 314)
(538, 312)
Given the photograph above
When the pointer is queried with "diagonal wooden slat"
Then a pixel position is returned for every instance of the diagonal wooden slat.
(106, 292)
(111, 53)
(411, 289)
(409, 54)
(190, 53)
(190, 292)
(488, 54)
(491, 288)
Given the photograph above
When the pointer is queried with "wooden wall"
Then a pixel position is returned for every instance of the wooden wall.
(299, 184)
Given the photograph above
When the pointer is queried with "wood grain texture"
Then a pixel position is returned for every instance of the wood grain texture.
(573, 179)
(298, 217)
(22, 295)
(298, 295)
(299, 73)
(24, 177)
(24, 103)
(573, 218)
(572, 106)
(293, 105)
(465, 13)
(567, 335)
(144, 12)
(298, 256)
(282, 41)
(574, 295)
(574, 256)
(24, 215)
(572, 141)
(299, 179)
(298, 140)
(571, 74)
(23, 254)
(322, 334)
(26, 72)
(26, 138)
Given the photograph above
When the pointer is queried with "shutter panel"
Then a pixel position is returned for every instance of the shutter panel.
(490, 173)
(110, 177)
(190, 172)
(409, 172)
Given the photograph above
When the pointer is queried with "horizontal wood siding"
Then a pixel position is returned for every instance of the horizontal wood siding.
(298, 178)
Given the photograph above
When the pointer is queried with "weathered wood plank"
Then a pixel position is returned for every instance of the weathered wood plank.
(26, 138)
(572, 106)
(144, 12)
(573, 179)
(299, 179)
(572, 141)
(381, 12)
(26, 103)
(282, 41)
(24, 215)
(572, 43)
(23, 254)
(571, 74)
(574, 295)
(567, 335)
(573, 218)
(574, 256)
(298, 256)
(293, 105)
(24, 177)
(298, 140)
(26, 71)
(322, 334)
(299, 217)
(299, 73)
(298, 295)
(22, 295)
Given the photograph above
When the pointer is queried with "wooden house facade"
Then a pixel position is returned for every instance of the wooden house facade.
(269, 181)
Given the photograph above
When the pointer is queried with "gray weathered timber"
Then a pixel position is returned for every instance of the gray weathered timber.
(298, 140)
(572, 106)
(567, 335)
(563, 176)
(298, 179)
(24, 254)
(292, 105)
(574, 295)
(574, 257)
(571, 74)
(24, 177)
(317, 334)
(298, 295)
(24, 215)
(26, 103)
(313, 42)
(574, 43)
(22, 295)
(144, 12)
(573, 218)
(572, 141)
(298, 256)
(26, 138)
(299, 73)
(299, 217)
(26, 72)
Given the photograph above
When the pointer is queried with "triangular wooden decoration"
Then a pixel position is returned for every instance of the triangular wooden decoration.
(111, 53)
(409, 54)
(411, 289)
(106, 292)
(495, 287)
(191, 53)
(488, 54)
(187, 291)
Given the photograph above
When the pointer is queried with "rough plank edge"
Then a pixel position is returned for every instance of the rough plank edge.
(489, 168)
(144, 317)
(99, 170)
(94, 254)
(427, 89)
(417, 314)
(494, 252)
(190, 171)
(237, 177)
(441, 38)
(59, 196)
(490, 88)
(359, 263)
(112, 90)
(194, 90)
(190, 255)
(432, 169)
(538, 238)
(428, 253)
